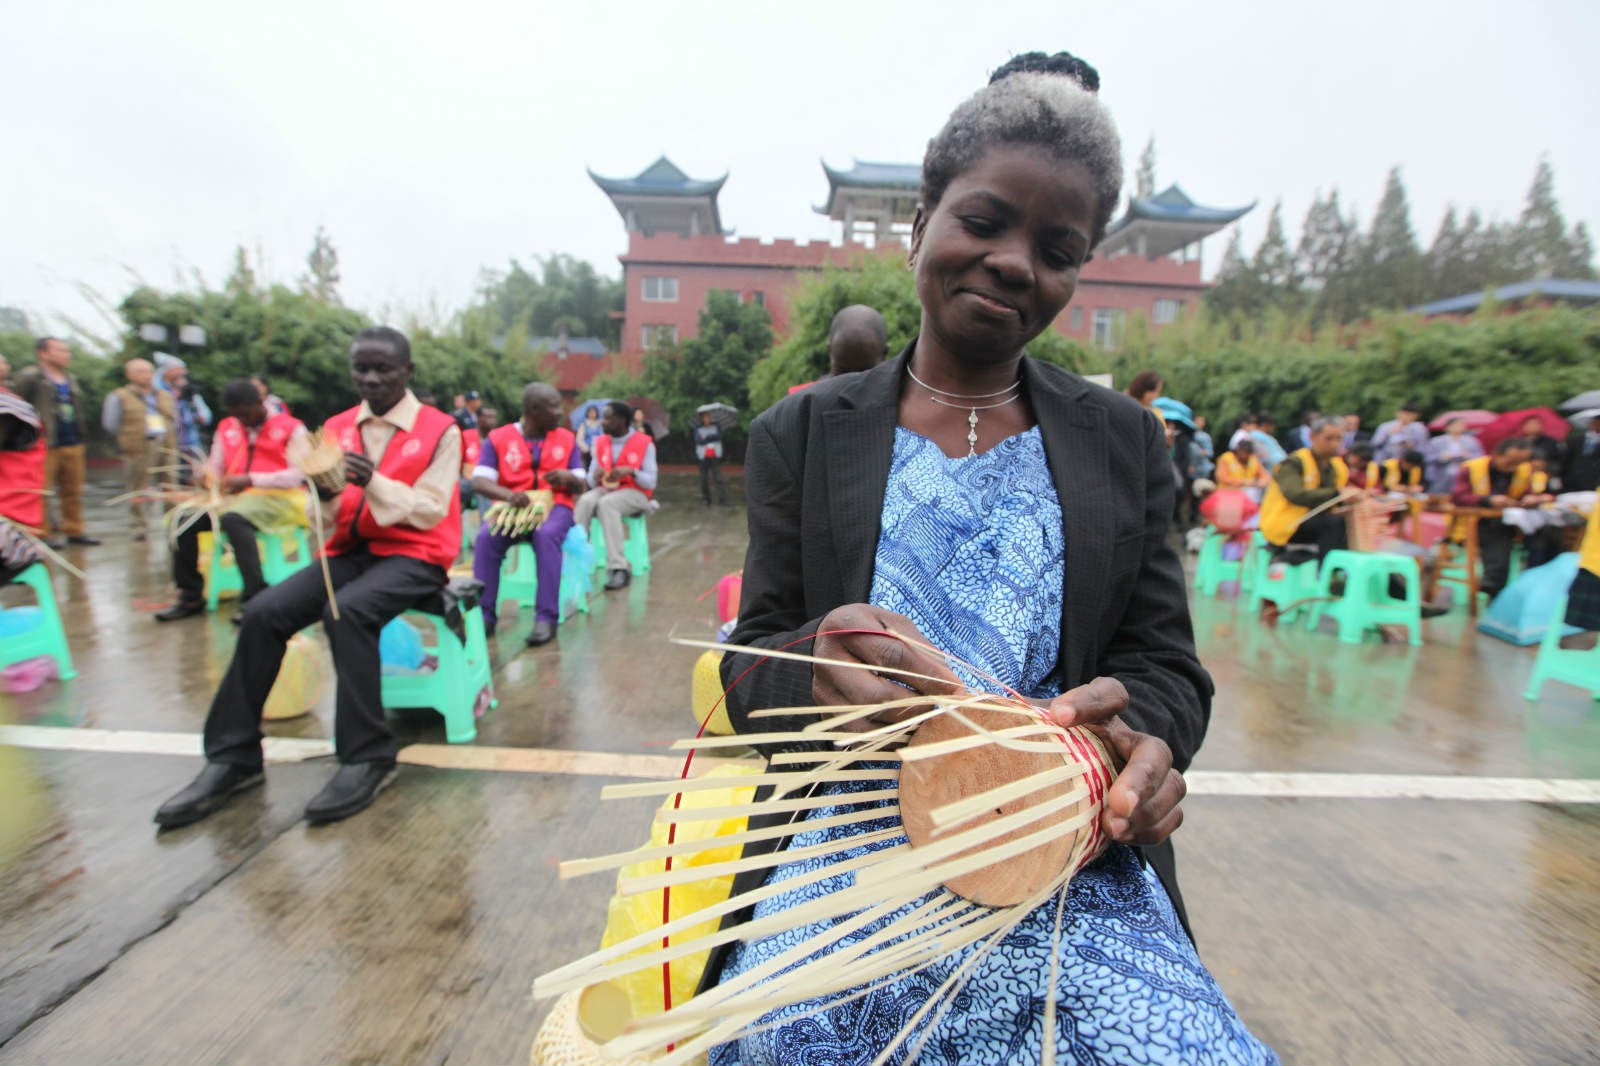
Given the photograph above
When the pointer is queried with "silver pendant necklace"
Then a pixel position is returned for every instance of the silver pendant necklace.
(1009, 392)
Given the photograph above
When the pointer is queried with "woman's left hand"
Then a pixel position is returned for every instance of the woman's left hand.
(1142, 805)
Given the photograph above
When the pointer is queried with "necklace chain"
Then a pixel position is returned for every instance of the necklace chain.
(972, 408)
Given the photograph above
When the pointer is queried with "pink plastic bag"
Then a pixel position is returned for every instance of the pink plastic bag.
(28, 675)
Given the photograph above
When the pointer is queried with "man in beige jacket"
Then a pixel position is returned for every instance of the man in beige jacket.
(144, 421)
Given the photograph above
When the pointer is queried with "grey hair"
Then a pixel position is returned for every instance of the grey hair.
(1322, 423)
(1050, 112)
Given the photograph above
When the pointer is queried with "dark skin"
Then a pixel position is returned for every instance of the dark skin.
(252, 415)
(381, 375)
(615, 425)
(1506, 462)
(541, 412)
(996, 261)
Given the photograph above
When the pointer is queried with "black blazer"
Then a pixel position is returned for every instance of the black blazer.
(816, 472)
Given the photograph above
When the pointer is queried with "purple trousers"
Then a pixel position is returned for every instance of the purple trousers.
(490, 552)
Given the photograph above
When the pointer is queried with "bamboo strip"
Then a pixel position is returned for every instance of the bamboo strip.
(681, 875)
(637, 789)
(774, 653)
(967, 808)
(784, 806)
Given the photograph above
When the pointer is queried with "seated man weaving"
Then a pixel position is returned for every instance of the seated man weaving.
(1310, 478)
(393, 529)
(249, 466)
(1501, 480)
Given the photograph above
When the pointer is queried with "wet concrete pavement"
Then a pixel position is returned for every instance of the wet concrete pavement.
(1344, 930)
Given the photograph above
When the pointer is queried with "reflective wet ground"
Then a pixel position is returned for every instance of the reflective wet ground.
(1360, 928)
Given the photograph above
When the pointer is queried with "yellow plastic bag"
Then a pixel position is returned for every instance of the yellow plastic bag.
(706, 694)
(301, 680)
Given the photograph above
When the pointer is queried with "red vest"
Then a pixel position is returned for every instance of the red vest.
(516, 462)
(21, 478)
(633, 452)
(404, 460)
(268, 454)
(471, 446)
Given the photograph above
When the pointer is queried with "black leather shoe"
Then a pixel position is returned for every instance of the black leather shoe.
(542, 633)
(181, 609)
(55, 543)
(618, 579)
(82, 539)
(352, 789)
(216, 783)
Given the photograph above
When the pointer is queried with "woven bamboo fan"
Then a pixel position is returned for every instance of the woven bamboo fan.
(1367, 522)
(1000, 808)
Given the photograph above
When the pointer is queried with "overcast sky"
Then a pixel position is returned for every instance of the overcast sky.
(434, 139)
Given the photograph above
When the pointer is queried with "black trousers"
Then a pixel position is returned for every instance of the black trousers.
(372, 590)
(711, 468)
(1326, 531)
(241, 533)
(1495, 541)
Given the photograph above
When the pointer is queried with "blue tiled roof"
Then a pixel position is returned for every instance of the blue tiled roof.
(661, 178)
(1173, 205)
(1549, 288)
(877, 175)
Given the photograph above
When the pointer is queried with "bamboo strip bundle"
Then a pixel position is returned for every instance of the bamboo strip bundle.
(506, 520)
(322, 460)
(998, 808)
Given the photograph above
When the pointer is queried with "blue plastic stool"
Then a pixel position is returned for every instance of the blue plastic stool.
(46, 638)
(222, 573)
(637, 548)
(451, 687)
(1366, 602)
(1574, 666)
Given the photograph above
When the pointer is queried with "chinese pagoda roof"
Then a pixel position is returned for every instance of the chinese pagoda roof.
(661, 178)
(1161, 224)
(905, 178)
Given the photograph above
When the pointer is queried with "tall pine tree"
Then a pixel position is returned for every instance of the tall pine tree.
(1392, 267)
(1144, 179)
(322, 279)
(1327, 260)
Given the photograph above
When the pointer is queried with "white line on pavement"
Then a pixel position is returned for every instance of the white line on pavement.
(1256, 784)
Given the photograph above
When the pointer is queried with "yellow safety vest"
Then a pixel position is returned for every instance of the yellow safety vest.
(1391, 475)
(1524, 480)
(1232, 474)
(1279, 517)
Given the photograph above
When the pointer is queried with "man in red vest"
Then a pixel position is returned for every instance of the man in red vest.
(249, 464)
(391, 533)
(22, 464)
(538, 452)
(623, 473)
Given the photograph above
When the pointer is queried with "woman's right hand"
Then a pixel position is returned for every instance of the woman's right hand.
(858, 633)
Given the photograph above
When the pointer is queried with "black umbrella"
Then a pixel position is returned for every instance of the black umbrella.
(722, 415)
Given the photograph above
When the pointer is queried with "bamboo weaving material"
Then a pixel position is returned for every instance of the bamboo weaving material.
(1000, 807)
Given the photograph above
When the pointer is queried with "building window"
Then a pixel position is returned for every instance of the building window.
(758, 298)
(1107, 327)
(1075, 319)
(664, 290)
(738, 297)
(1167, 311)
(651, 336)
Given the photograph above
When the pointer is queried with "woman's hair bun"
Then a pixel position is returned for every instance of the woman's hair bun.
(1064, 64)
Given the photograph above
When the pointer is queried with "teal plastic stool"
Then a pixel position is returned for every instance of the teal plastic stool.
(1213, 568)
(637, 547)
(1279, 583)
(451, 687)
(276, 564)
(519, 582)
(1250, 563)
(1366, 602)
(1574, 666)
(46, 638)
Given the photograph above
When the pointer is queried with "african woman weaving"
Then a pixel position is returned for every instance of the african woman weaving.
(1015, 517)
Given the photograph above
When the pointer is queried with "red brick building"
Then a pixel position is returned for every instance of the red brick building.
(677, 252)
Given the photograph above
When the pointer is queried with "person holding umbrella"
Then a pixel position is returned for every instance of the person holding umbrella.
(708, 449)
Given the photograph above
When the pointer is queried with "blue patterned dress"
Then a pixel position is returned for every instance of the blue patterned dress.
(972, 551)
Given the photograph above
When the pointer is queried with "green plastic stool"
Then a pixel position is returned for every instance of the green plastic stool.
(1366, 602)
(451, 687)
(519, 582)
(1213, 569)
(46, 638)
(637, 547)
(1574, 666)
(1250, 563)
(1281, 584)
(223, 573)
